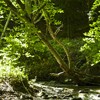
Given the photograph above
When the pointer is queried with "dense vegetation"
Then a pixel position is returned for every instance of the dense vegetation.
(39, 38)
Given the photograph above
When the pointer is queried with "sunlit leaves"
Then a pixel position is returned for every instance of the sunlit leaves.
(27, 54)
(92, 41)
(22, 46)
(52, 11)
(10, 72)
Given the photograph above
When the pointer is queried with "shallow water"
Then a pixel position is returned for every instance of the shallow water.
(50, 91)
(78, 92)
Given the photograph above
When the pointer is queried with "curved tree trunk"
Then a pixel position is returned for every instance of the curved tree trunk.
(78, 77)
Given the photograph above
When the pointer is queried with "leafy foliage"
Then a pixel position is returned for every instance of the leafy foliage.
(25, 51)
(92, 45)
(22, 50)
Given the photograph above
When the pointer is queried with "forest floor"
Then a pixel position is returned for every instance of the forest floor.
(48, 90)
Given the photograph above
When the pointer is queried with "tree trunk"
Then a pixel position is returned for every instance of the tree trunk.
(56, 55)
(78, 77)
(67, 71)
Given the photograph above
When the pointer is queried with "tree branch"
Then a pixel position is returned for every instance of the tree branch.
(5, 27)
(56, 55)
(14, 10)
(58, 29)
(54, 38)
(9, 4)
(35, 22)
(36, 13)
(21, 4)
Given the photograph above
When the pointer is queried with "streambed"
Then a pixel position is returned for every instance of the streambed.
(49, 91)
(56, 91)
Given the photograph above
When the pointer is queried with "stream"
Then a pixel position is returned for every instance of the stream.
(56, 91)
(49, 91)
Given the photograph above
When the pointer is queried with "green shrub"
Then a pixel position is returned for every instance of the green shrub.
(27, 55)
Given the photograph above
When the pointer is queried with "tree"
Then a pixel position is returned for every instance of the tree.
(91, 47)
(92, 39)
(31, 12)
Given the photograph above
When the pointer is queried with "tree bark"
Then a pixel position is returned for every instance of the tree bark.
(68, 71)
(56, 55)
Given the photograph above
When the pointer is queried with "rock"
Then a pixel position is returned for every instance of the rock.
(77, 99)
(45, 96)
(26, 96)
(86, 90)
(41, 93)
(67, 96)
(6, 87)
(54, 97)
(99, 95)
(1, 92)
